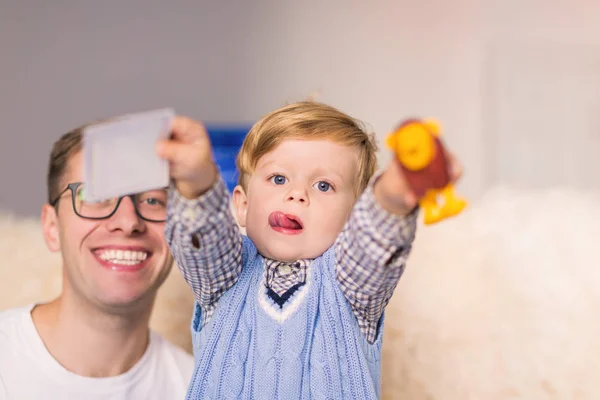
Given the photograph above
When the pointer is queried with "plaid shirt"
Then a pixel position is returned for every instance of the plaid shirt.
(371, 252)
(281, 276)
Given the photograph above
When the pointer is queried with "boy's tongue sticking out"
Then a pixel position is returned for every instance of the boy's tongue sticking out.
(285, 223)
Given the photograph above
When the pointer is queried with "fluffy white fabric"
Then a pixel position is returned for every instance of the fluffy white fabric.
(499, 303)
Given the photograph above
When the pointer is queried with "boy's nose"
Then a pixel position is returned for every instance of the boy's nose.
(298, 195)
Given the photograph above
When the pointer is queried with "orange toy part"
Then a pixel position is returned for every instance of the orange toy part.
(422, 157)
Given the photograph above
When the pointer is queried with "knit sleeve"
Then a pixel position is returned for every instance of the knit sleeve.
(371, 253)
(205, 241)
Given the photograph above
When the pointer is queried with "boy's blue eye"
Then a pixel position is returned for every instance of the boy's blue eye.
(278, 179)
(323, 186)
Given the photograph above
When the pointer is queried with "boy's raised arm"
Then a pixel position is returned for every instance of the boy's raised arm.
(201, 232)
(374, 245)
(205, 241)
(371, 254)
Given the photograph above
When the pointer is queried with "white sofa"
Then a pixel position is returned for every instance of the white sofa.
(502, 302)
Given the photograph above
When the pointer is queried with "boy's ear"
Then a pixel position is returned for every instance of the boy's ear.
(240, 201)
(50, 228)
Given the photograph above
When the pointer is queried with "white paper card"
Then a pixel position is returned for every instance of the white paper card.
(120, 157)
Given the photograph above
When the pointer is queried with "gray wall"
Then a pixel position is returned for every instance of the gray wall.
(65, 62)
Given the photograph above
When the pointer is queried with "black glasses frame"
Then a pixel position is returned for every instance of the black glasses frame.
(73, 188)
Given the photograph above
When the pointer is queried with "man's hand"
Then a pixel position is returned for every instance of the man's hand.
(189, 154)
(393, 193)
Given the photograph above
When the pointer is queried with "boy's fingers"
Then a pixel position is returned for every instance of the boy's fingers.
(187, 129)
(410, 199)
(402, 189)
(172, 151)
(456, 169)
(163, 150)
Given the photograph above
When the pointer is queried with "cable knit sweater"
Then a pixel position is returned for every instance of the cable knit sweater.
(247, 352)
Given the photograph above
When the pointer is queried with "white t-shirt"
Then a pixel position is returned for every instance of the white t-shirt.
(28, 371)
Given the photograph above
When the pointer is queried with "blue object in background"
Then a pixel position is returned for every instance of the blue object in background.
(226, 142)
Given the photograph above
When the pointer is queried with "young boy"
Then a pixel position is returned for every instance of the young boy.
(294, 309)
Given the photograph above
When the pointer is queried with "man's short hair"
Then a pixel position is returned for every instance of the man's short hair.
(62, 151)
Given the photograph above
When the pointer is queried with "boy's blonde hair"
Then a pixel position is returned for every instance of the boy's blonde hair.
(311, 121)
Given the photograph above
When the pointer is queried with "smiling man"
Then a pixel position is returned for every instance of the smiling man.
(94, 341)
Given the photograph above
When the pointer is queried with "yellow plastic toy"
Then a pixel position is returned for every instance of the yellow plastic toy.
(422, 157)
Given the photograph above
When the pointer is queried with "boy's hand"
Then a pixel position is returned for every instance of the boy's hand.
(189, 153)
(393, 193)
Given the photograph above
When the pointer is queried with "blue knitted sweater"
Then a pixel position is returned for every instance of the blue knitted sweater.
(312, 348)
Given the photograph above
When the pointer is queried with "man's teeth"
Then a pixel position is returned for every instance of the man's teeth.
(123, 257)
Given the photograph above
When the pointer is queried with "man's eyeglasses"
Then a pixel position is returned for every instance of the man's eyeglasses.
(150, 206)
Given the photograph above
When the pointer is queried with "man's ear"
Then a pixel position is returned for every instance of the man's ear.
(240, 201)
(50, 228)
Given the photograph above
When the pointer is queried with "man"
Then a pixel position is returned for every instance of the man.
(94, 341)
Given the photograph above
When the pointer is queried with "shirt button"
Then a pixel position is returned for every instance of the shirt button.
(189, 214)
(195, 241)
(285, 269)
